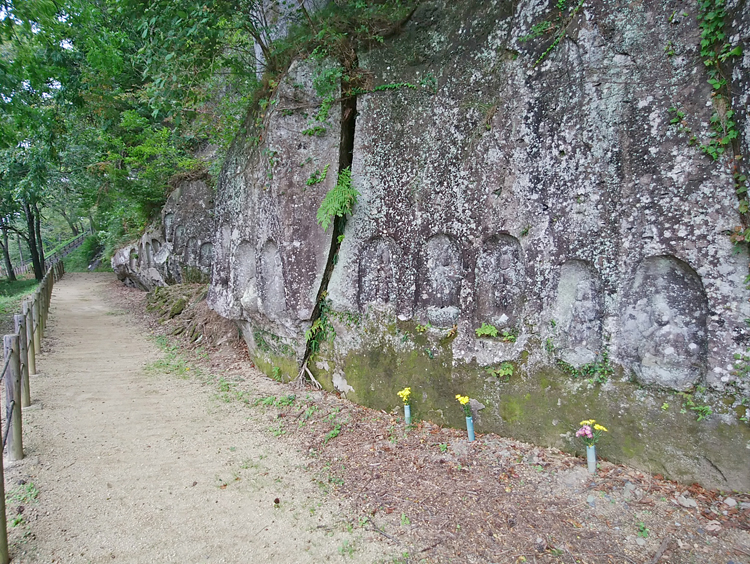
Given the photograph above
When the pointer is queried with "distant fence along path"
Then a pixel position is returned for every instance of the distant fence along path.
(54, 258)
(20, 350)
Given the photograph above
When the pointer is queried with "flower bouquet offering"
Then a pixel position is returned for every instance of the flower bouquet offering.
(464, 401)
(405, 396)
(590, 433)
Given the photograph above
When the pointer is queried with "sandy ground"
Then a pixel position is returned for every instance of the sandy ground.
(142, 447)
(127, 464)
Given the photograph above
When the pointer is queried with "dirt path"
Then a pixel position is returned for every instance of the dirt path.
(132, 465)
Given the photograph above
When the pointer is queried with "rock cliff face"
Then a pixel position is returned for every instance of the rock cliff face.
(532, 230)
(180, 249)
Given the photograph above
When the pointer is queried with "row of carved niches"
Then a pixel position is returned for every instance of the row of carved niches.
(500, 280)
(662, 331)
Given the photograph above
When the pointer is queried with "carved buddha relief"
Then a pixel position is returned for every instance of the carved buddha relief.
(244, 282)
(272, 292)
(664, 325)
(579, 312)
(442, 284)
(377, 276)
(500, 281)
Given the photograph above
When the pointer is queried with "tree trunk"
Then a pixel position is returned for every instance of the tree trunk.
(33, 248)
(6, 255)
(39, 242)
(20, 251)
(70, 222)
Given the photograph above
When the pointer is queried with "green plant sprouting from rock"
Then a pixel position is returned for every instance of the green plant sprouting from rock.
(559, 25)
(317, 176)
(597, 372)
(486, 330)
(723, 137)
(321, 329)
(502, 372)
(339, 201)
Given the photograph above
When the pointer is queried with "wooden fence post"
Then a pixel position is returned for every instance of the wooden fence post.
(42, 313)
(4, 556)
(13, 394)
(30, 337)
(35, 324)
(23, 356)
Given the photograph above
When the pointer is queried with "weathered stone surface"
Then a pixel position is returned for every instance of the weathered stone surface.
(270, 251)
(178, 250)
(536, 187)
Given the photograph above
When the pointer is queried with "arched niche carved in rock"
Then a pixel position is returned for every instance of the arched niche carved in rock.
(244, 285)
(377, 272)
(168, 221)
(272, 292)
(191, 251)
(146, 261)
(664, 324)
(578, 313)
(179, 238)
(206, 255)
(500, 281)
(441, 287)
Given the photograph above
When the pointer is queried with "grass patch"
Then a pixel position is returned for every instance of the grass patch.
(23, 493)
(79, 259)
(12, 293)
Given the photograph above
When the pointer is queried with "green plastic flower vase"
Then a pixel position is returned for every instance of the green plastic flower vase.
(407, 414)
(470, 428)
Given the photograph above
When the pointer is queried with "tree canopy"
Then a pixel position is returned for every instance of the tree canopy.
(103, 101)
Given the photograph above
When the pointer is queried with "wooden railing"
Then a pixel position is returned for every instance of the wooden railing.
(55, 257)
(20, 350)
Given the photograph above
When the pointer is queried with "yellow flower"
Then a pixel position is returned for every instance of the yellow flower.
(588, 422)
(404, 394)
(463, 400)
(598, 427)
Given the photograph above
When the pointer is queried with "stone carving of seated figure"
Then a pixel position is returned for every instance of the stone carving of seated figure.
(583, 329)
(376, 275)
(507, 288)
(668, 354)
(444, 277)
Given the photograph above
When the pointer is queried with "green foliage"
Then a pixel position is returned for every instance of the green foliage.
(104, 103)
(486, 330)
(321, 329)
(559, 26)
(716, 51)
(315, 131)
(79, 259)
(509, 335)
(339, 201)
(597, 372)
(317, 176)
(537, 30)
(13, 293)
(702, 411)
(502, 372)
(332, 434)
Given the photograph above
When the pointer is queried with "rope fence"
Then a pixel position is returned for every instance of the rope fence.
(20, 350)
